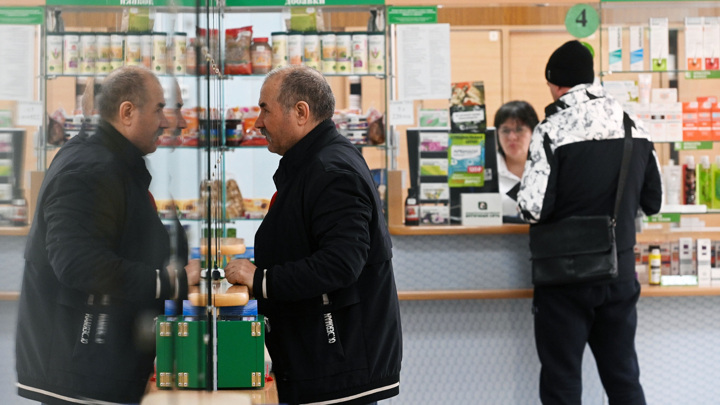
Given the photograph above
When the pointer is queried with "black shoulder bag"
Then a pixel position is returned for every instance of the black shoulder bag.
(581, 248)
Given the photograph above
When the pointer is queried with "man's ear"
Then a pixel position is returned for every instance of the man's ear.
(302, 112)
(127, 109)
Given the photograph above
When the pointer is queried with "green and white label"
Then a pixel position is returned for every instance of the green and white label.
(700, 145)
(22, 15)
(412, 15)
(663, 218)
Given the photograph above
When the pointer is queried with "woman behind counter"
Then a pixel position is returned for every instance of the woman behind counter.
(515, 121)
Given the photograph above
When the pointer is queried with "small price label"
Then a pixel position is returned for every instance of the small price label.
(698, 145)
(663, 218)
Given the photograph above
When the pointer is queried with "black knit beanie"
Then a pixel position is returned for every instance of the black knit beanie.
(570, 65)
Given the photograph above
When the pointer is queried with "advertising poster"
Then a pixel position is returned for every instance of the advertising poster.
(466, 160)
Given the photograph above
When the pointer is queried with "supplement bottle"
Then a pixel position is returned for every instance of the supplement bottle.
(261, 55)
(654, 263)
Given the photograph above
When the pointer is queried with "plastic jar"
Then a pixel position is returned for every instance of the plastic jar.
(311, 50)
(279, 49)
(54, 53)
(328, 53)
(102, 66)
(343, 52)
(261, 55)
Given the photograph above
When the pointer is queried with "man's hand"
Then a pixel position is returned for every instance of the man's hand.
(193, 272)
(240, 271)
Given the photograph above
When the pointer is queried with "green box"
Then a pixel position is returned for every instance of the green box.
(182, 359)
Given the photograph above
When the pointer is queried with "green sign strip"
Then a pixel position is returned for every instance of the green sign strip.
(127, 3)
(699, 145)
(303, 3)
(228, 3)
(702, 74)
(412, 15)
(663, 218)
(22, 15)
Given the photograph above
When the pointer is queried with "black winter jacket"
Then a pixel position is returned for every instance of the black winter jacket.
(325, 279)
(574, 164)
(90, 276)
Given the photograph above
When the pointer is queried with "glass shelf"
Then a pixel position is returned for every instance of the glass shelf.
(689, 74)
(228, 221)
(51, 76)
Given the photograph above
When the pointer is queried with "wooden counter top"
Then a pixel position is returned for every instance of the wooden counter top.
(266, 395)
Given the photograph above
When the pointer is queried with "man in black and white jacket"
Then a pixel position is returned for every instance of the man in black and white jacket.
(573, 168)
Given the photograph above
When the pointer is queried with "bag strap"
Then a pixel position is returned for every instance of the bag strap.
(627, 153)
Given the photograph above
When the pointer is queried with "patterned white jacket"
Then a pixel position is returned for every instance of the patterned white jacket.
(574, 163)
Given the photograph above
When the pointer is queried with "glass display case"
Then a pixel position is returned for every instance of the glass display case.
(209, 51)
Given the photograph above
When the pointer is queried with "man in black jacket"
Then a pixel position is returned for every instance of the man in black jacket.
(96, 261)
(324, 276)
(575, 157)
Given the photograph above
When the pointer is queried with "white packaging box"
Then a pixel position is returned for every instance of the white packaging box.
(704, 279)
(615, 48)
(658, 126)
(674, 258)
(641, 271)
(715, 273)
(703, 261)
(434, 191)
(644, 114)
(434, 215)
(622, 90)
(711, 42)
(703, 253)
(659, 42)
(685, 256)
(694, 52)
(637, 46)
(673, 122)
(664, 95)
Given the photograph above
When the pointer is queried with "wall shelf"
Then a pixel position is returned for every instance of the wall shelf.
(14, 230)
(458, 230)
(647, 291)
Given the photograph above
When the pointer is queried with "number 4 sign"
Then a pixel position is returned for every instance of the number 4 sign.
(582, 20)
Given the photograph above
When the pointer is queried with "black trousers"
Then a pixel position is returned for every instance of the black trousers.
(603, 316)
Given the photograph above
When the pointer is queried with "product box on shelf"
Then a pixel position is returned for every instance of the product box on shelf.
(637, 45)
(711, 43)
(703, 262)
(690, 121)
(694, 51)
(615, 48)
(665, 258)
(715, 277)
(659, 40)
(686, 257)
(434, 215)
(704, 122)
(715, 121)
(674, 257)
